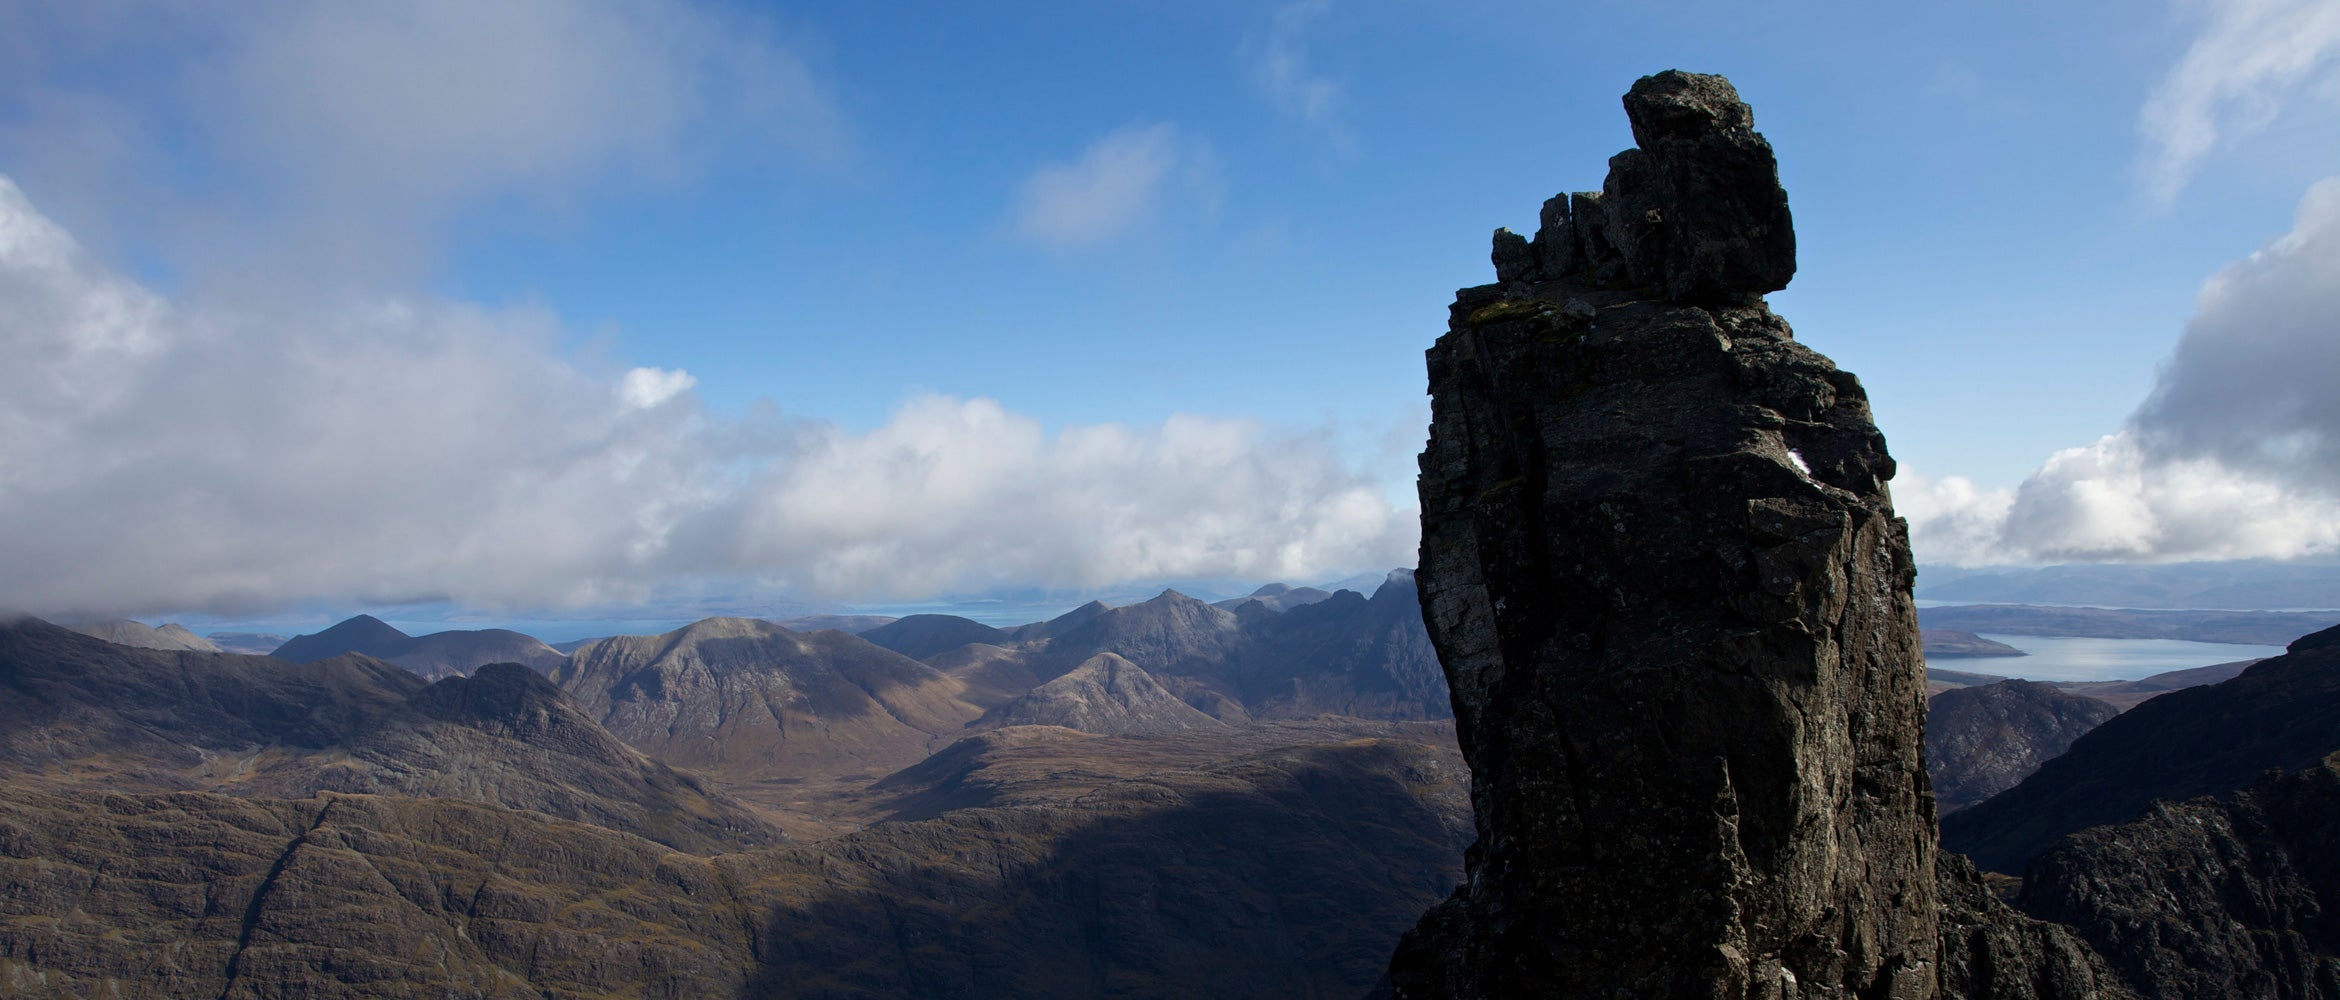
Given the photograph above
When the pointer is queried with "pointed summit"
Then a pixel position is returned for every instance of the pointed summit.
(358, 634)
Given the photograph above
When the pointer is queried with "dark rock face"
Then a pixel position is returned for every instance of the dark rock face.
(1981, 741)
(1695, 212)
(1664, 577)
(1991, 951)
(2282, 713)
(2208, 898)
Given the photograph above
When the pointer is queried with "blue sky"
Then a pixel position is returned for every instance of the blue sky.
(1069, 294)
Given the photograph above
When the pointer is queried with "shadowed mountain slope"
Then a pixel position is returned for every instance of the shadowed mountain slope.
(2283, 712)
(1346, 655)
(2210, 898)
(992, 675)
(1981, 741)
(921, 636)
(1273, 863)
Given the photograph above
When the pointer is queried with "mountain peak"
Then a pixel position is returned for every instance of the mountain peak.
(355, 634)
(1108, 695)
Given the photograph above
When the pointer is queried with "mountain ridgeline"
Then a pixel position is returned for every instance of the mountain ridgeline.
(1162, 799)
(439, 654)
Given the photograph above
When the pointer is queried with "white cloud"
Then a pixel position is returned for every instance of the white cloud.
(342, 137)
(2235, 454)
(2252, 380)
(160, 456)
(2116, 501)
(1280, 69)
(1119, 185)
(1950, 519)
(960, 494)
(2251, 58)
(647, 388)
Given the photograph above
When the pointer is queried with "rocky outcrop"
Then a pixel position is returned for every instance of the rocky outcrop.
(2206, 898)
(1982, 740)
(2282, 713)
(1665, 580)
(1992, 952)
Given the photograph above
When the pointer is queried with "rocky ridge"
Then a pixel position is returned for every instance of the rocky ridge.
(2210, 897)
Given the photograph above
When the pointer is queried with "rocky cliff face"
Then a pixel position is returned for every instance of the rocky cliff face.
(1664, 577)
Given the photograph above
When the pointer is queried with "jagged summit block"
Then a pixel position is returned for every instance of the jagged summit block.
(1695, 213)
(1665, 580)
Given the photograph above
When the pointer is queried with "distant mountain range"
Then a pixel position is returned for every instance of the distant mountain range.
(439, 654)
(729, 808)
(129, 633)
(83, 712)
(2265, 628)
(2239, 586)
(1049, 777)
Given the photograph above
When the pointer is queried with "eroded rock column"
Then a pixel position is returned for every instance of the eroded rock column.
(1662, 570)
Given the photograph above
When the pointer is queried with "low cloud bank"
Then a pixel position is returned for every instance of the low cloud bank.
(2235, 454)
(164, 456)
